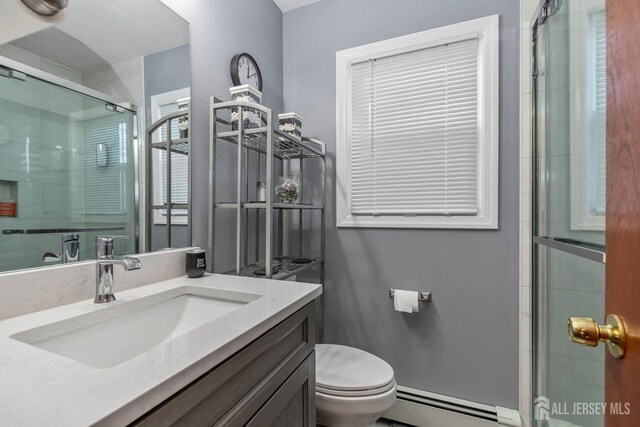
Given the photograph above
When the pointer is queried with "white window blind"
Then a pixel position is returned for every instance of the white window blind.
(417, 129)
(599, 117)
(179, 163)
(414, 132)
(105, 186)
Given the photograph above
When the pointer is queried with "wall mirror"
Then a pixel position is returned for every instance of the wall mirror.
(76, 158)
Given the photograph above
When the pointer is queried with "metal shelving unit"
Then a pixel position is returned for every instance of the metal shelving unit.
(267, 145)
(174, 146)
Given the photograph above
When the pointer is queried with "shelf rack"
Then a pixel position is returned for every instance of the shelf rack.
(180, 146)
(270, 144)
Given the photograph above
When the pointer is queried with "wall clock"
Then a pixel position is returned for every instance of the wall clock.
(244, 70)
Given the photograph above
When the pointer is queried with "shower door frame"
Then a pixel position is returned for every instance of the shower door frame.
(138, 140)
(536, 388)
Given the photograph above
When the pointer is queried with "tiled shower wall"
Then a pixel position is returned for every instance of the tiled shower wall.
(35, 156)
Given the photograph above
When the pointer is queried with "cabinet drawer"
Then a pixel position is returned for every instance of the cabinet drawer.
(220, 394)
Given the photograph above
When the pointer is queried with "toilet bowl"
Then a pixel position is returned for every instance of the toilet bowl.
(353, 388)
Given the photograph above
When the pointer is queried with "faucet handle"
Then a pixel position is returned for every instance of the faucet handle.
(107, 239)
(104, 245)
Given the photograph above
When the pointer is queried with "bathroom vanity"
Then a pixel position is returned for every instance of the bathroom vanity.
(219, 350)
(269, 382)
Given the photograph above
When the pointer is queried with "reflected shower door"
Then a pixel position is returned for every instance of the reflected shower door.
(66, 163)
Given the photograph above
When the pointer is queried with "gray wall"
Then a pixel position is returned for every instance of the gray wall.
(165, 72)
(465, 343)
(220, 29)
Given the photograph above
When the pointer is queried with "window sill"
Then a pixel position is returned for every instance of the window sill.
(428, 222)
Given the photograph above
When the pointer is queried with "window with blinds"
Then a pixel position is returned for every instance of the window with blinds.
(414, 132)
(587, 114)
(417, 130)
(179, 168)
(105, 186)
(179, 163)
(599, 116)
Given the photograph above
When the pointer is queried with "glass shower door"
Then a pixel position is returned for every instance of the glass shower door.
(569, 209)
(66, 164)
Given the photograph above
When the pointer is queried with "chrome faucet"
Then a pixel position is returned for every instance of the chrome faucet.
(70, 250)
(105, 260)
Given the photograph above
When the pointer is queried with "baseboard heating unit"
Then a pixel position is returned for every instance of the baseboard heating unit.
(423, 409)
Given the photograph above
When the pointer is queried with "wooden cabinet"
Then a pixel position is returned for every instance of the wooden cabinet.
(269, 382)
(294, 404)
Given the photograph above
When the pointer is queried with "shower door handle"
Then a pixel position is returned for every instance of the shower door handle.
(586, 331)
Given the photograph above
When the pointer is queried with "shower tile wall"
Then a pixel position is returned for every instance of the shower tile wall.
(527, 10)
(35, 149)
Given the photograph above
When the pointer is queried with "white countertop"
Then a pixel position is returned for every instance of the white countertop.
(40, 388)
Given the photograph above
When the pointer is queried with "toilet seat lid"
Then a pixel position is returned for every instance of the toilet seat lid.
(344, 368)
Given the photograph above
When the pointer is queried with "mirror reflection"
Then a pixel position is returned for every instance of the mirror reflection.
(76, 101)
(571, 123)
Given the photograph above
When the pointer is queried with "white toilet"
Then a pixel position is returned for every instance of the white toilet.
(353, 388)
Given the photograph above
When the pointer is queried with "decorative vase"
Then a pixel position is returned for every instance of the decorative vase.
(252, 118)
(183, 126)
(290, 123)
(288, 190)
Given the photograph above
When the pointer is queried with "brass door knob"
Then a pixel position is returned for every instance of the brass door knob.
(585, 331)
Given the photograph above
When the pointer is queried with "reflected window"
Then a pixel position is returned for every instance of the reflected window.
(588, 100)
(162, 105)
(104, 158)
(598, 104)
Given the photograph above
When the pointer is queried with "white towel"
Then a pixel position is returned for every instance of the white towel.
(405, 301)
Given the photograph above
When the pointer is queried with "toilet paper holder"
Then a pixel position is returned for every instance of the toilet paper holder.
(422, 296)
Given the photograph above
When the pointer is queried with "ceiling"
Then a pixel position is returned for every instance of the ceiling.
(287, 5)
(58, 46)
(119, 30)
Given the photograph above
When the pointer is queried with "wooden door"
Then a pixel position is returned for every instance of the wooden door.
(622, 389)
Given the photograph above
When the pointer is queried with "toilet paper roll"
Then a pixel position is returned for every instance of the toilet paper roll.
(17, 20)
(405, 301)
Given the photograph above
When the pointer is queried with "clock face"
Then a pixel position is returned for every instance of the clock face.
(244, 70)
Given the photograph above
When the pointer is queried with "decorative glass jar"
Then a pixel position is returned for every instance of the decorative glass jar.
(183, 122)
(183, 126)
(252, 118)
(288, 190)
(290, 123)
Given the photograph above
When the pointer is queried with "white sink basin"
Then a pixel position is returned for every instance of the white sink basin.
(119, 332)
